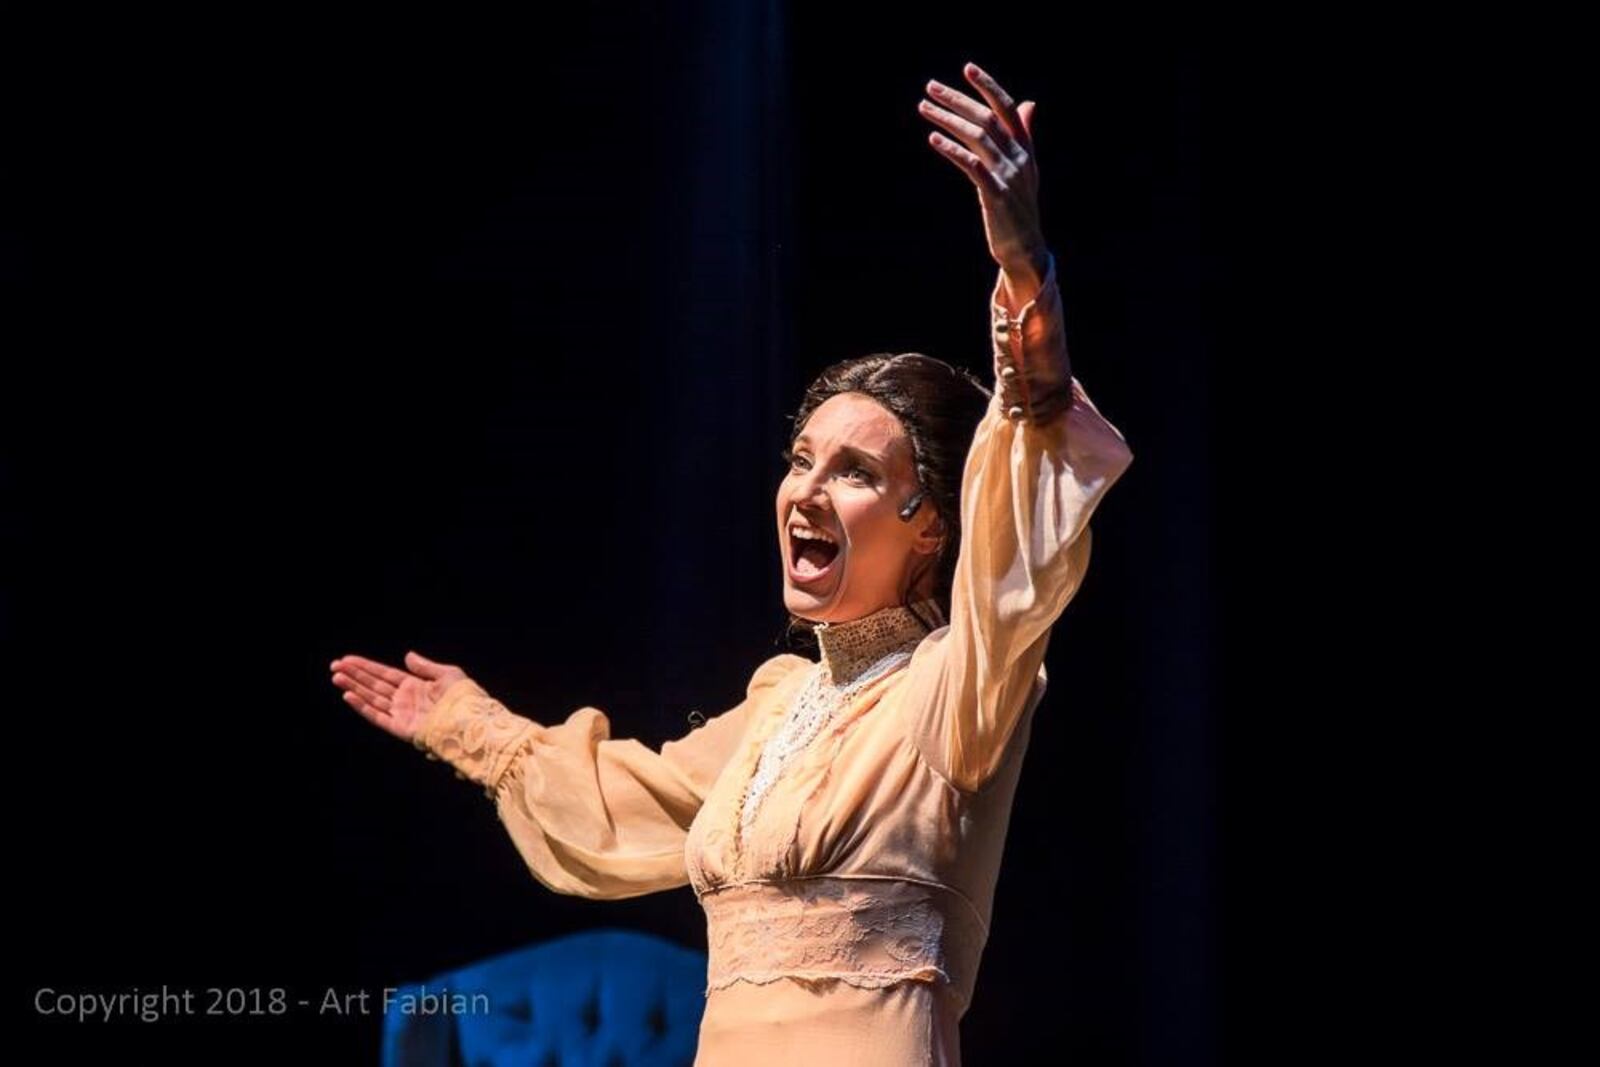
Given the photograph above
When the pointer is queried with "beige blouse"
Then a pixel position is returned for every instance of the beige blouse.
(843, 824)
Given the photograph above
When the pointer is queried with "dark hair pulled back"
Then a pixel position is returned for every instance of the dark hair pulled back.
(940, 406)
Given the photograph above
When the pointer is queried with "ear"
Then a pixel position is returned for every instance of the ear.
(931, 532)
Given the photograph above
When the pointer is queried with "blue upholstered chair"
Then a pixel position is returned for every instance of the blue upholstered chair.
(607, 998)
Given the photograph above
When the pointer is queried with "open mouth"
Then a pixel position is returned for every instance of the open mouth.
(811, 555)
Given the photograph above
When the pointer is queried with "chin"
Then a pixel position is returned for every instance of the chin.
(813, 607)
(802, 603)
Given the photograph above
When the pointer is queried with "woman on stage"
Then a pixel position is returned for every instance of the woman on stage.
(843, 825)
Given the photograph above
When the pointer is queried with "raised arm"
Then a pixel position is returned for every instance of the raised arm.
(1027, 493)
(592, 816)
(1041, 460)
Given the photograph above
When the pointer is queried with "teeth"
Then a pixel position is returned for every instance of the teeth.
(805, 533)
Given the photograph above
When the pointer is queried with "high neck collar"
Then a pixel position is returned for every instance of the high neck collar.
(849, 648)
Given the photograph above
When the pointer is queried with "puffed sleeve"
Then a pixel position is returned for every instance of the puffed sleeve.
(592, 816)
(1040, 462)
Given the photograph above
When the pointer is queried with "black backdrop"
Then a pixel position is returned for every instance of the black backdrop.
(365, 337)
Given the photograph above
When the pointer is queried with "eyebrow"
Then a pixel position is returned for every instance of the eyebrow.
(851, 449)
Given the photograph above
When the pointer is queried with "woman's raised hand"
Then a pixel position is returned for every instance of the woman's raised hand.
(393, 699)
(993, 146)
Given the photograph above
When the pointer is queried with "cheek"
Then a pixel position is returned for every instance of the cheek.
(873, 529)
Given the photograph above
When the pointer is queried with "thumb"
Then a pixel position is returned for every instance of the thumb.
(420, 664)
(1025, 113)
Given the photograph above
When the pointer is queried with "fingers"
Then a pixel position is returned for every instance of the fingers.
(993, 145)
(1000, 101)
(378, 694)
(381, 719)
(968, 161)
(971, 133)
(392, 675)
(972, 122)
(372, 682)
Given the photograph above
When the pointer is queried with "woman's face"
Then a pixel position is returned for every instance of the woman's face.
(851, 471)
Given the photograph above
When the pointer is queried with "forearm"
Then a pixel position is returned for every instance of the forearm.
(1033, 374)
(475, 734)
(1022, 279)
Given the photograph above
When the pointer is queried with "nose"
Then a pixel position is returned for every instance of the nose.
(810, 492)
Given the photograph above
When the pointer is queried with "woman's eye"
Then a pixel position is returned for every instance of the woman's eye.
(858, 474)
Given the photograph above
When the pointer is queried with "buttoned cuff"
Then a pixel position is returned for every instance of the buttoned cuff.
(474, 733)
(1033, 376)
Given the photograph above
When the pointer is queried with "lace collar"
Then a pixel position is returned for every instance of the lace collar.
(849, 648)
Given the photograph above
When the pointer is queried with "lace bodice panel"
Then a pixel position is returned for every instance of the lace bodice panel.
(862, 931)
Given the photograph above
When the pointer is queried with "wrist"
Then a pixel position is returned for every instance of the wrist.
(1023, 276)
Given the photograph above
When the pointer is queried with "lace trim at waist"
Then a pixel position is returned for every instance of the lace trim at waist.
(865, 932)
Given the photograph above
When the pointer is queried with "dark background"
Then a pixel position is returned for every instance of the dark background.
(480, 341)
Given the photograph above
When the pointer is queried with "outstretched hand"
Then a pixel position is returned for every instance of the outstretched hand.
(993, 146)
(392, 699)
